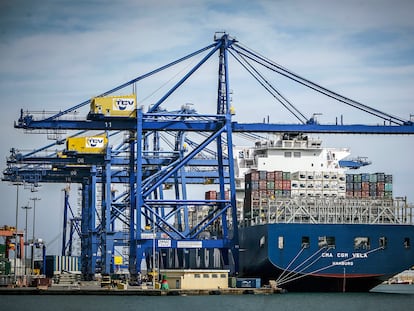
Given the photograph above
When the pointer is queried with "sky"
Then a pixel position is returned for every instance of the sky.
(57, 54)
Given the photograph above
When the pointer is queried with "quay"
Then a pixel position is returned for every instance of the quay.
(135, 291)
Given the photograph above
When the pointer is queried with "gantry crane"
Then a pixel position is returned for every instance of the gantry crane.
(158, 226)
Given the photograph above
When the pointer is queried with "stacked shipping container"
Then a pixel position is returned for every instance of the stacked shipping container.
(260, 186)
(4, 262)
(378, 185)
(318, 184)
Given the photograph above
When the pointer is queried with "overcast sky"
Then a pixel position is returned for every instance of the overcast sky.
(56, 54)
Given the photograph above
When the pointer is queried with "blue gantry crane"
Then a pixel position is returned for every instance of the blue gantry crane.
(167, 150)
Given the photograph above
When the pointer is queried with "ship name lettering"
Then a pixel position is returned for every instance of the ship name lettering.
(342, 263)
(327, 255)
(360, 255)
(342, 255)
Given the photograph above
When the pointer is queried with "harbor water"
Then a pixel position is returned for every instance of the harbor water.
(286, 302)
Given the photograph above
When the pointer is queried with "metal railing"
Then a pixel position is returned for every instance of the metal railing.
(331, 211)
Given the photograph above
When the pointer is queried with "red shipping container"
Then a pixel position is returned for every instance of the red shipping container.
(262, 184)
(211, 195)
(278, 175)
(278, 185)
(270, 176)
(254, 175)
(286, 185)
(380, 186)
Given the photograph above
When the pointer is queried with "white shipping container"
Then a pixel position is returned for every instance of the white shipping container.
(317, 176)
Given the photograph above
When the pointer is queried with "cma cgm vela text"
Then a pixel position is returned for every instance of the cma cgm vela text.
(312, 227)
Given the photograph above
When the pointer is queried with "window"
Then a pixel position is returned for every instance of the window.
(288, 154)
(326, 241)
(297, 154)
(214, 276)
(407, 242)
(305, 242)
(383, 242)
(362, 243)
(196, 276)
(281, 242)
(206, 275)
(223, 276)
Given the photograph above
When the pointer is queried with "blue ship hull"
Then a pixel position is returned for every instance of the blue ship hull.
(325, 257)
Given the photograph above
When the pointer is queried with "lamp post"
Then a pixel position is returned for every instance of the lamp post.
(33, 233)
(27, 207)
(17, 184)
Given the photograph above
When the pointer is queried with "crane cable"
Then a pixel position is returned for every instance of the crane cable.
(316, 87)
(268, 87)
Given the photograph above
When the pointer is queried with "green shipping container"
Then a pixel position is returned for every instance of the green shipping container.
(388, 187)
(286, 176)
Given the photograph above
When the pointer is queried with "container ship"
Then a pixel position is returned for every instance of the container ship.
(311, 225)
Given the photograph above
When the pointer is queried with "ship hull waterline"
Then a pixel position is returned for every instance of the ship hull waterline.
(325, 257)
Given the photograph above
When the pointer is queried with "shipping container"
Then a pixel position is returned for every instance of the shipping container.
(211, 195)
(248, 283)
(254, 175)
(278, 193)
(286, 176)
(57, 264)
(357, 178)
(279, 184)
(373, 178)
(262, 184)
(326, 175)
(286, 193)
(380, 177)
(357, 186)
(388, 187)
(114, 106)
(278, 175)
(365, 177)
(286, 185)
(262, 175)
(270, 185)
(342, 178)
(388, 179)
(299, 176)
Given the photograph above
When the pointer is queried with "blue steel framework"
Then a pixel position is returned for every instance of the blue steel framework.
(148, 170)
